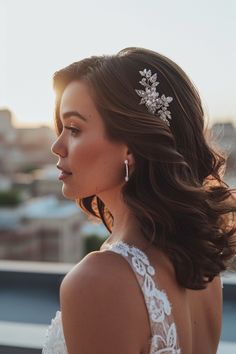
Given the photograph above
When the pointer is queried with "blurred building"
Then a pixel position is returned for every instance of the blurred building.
(8, 135)
(42, 229)
(23, 148)
(45, 181)
(35, 145)
(5, 183)
(224, 135)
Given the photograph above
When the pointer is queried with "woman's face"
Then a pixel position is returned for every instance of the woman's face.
(96, 165)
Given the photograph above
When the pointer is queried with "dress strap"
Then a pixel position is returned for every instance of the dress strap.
(162, 325)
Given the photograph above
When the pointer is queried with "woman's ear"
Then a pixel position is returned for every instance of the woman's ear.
(130, 158)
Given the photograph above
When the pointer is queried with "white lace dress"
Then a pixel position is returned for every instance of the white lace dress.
(164, 336)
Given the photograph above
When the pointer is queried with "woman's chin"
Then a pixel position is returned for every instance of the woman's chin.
(68, 194)
(73, 194)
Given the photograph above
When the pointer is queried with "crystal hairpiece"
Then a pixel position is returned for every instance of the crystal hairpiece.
(150, 97)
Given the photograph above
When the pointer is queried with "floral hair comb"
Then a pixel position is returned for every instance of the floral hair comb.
(150, 97)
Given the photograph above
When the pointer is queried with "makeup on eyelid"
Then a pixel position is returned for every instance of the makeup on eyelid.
(74, 130)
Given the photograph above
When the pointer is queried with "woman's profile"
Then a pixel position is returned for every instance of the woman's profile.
(133, 152)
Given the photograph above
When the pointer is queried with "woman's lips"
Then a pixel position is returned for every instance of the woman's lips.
(64, 175)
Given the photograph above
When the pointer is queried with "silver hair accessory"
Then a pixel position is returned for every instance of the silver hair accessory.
(150, 97)
(127, 170)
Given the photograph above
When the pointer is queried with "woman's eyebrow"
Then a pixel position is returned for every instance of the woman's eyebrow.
(74, 114)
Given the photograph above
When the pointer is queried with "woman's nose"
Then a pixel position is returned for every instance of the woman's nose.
(58, 148)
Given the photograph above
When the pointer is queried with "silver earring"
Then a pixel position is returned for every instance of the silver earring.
(126, 170)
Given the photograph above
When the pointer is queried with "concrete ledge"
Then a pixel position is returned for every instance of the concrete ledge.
(229, 278)
(226, 348)
(28, 297)
(17, 334)
(35, 267)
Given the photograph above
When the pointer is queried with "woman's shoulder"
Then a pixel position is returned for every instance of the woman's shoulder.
(98, 285)
(96, 265)
(100, 272)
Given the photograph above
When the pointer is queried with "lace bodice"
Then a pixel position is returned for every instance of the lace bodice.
(163, 330)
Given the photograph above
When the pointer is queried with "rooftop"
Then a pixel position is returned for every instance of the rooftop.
(45, 207)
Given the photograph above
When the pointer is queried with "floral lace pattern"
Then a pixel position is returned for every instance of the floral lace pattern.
(54, 340)
(164, 335)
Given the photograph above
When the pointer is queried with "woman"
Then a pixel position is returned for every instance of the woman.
(132, 151)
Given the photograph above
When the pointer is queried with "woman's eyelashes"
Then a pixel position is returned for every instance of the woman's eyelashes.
(73, 131)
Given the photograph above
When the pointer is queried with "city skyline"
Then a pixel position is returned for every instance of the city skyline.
(38, 38)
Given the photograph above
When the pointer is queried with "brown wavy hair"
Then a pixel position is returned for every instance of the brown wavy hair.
(176, 190)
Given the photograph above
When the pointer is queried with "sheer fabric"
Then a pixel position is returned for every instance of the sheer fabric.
(163, 339)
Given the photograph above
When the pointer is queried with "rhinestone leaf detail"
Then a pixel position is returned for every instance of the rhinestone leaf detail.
(155, 103)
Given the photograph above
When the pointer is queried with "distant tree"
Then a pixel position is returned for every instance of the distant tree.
(93, 242)
(10, 198)
(28, 168)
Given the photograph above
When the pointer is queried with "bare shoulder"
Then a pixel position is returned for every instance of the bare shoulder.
(95, 303)
(102, 267)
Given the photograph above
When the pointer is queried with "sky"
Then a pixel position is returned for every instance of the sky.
(38, 37)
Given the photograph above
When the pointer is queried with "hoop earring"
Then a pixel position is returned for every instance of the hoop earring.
(126, 170)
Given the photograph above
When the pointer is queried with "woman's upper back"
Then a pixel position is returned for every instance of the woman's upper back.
(194, 314)
(197, 313)
(105, 310)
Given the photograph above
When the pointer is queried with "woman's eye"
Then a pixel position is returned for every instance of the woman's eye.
(74, 131)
